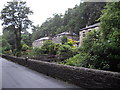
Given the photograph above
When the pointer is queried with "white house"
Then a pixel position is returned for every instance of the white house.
(83, 31)
(57, 38)
(39, 42)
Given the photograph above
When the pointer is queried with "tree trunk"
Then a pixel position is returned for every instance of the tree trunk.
(18, 41)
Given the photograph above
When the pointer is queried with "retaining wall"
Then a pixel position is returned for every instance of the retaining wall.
(83, 77)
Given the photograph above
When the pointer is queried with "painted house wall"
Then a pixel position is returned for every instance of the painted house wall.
(58, 37)
(39, 42)
(55, 39)
(84, 31)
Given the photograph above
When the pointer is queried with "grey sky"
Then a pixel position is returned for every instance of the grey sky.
(44, 9)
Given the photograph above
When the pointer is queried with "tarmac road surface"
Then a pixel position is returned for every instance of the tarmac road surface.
(17, 76)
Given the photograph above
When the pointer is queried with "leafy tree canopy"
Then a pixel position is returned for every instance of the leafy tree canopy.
(74, 19)
(15, 19)
(100, 49)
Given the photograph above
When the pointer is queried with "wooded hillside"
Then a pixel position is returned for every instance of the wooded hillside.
(74, 19)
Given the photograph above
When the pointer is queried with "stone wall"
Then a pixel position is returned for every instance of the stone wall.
(48, 58)
(83, 77)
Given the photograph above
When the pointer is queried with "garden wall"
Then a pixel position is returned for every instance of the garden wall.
(83, 77)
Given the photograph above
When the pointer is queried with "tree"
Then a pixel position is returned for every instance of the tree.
(26, 38)
(110, 30)
(100, 49)
(7, 33)
(15, 17)
(36, 33)
(75, 18)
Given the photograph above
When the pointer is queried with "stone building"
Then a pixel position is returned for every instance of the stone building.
(83, 31)
(57, 38)
(39, 42)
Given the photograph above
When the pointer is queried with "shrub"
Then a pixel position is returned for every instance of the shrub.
(77, 60)
(64, 39)
(66, 51)
(25, 47)
(38, 51)
(6, 47)
(49, 47)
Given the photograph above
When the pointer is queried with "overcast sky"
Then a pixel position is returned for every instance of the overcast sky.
(44, 9)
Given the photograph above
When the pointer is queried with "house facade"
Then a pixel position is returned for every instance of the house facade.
(39, 42)
(57, 38)
(84, 31)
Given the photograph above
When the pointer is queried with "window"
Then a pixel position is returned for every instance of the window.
(83, 34)
(89, 30)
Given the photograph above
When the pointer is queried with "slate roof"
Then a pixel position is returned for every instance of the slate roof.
(66, 33)
(44, 38)
(91, 26)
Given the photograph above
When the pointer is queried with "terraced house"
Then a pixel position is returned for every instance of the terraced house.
(84, 31)
(39, 42)
(56, 39)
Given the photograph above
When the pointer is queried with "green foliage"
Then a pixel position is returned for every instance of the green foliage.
(66, 51)
(101, 48)
(5, 46)
(49, 47)
(16, 13)
(77, 60)
(25, 50)
(78, 17)
(64, 39)
(110, 27)
(15, 19)
(110, 20)
(72, 43)
(25, 47)
(9, 35)
(37, 51)
(26, 38)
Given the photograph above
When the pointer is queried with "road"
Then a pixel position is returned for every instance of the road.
(17, 76)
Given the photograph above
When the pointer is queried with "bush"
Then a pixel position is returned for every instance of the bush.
(38, 51)
(77, 60)
(49, 47)
(64, 39)
(6, 48)
(66, 51)
(25, 47)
